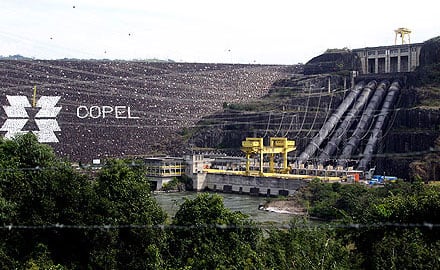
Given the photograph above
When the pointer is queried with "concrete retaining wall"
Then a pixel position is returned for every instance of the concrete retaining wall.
(253, 185)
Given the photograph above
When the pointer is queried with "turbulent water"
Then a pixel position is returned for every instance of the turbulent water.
(244, 203)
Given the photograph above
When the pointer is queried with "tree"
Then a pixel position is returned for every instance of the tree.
(37, 189)
(123, 197)
(394, 232)
(405, 249)
(306, 246)
(206, 235)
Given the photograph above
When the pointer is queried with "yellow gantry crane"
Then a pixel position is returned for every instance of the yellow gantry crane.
(402, 32)
(277, 146)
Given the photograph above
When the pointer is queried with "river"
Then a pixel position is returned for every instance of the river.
(244, 203)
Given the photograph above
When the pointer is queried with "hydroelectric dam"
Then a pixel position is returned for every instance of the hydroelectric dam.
(342, 111)
(345, 127)
(341, 150)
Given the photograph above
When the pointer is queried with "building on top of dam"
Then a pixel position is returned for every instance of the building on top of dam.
(389, 59)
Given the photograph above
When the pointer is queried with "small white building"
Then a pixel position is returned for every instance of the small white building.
(195, 165)
(164, 169)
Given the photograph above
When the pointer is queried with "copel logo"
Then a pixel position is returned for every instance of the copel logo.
(44, 119)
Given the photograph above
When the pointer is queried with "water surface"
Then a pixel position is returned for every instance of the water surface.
(244, 203)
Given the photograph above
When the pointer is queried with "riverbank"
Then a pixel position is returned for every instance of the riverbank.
(248, 205)
(284, 207)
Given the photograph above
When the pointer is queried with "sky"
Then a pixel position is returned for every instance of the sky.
(209, 31)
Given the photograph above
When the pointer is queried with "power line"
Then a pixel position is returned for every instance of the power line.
(303, 225)
(385, 155)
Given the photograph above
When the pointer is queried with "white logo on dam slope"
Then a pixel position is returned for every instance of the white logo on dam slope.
(45, 119)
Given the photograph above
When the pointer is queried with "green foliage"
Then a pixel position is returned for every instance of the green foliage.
(337, 50)
(254, 106)
(210, 236)
(26, 152)
(405, 249)
(6, 261)
(376, 244)
(334, 201)
(123, 197)
(36, 188)
(187, 132)
(429, 96)
(417, 207)
(429, 74)
(187, 181)
(395, 202)
(306, 246)
(41, 260)
(178, 184)
(242, 106)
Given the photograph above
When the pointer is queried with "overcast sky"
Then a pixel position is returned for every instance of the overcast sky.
(221, 31)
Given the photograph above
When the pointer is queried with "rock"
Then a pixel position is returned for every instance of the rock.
(430, 52)
(333, 61)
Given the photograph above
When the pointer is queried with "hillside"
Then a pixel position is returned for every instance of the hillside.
(298, 111)
(294, 107)
(333, 61)
(427, 103)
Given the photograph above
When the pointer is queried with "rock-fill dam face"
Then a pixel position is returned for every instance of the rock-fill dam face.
(96, 109)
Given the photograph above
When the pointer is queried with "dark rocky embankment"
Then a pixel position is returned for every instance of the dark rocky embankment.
(333, 61)
(410, 137)
(295, 108)
(426, 111)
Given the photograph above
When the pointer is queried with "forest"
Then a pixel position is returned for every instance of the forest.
(54, 217)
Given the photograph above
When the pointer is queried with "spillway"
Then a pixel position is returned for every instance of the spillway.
(390, 99)
(364, 123)
(364, 110)
(343, 128)
(331, 123)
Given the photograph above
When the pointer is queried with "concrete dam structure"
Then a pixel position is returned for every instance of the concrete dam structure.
(389, 59)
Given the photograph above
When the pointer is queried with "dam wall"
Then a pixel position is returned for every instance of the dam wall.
(96, 109)
(265, 186)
